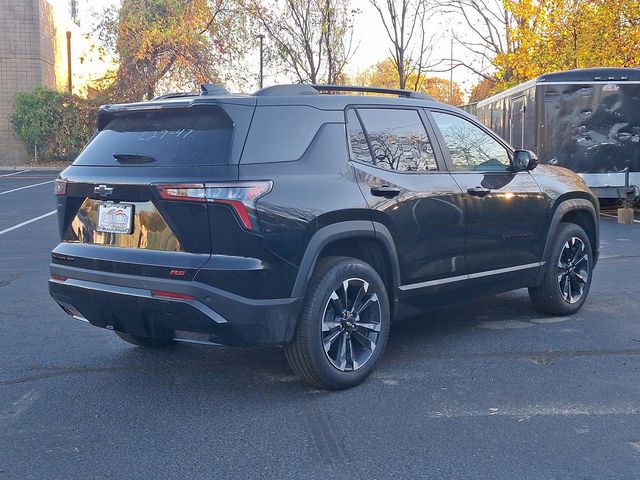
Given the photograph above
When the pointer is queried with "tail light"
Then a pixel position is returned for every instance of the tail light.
(60, 187)
(241, 197)
(190, 192)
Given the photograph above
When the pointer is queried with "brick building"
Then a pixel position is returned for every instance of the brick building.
(30, 53)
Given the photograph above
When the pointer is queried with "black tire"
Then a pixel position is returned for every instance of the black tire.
(360, 338)
(144, 341)
(552, 296)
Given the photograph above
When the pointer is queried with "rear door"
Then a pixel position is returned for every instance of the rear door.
(504, 211)
(409, 191)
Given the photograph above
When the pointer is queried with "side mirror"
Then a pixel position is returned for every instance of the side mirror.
(524, 160)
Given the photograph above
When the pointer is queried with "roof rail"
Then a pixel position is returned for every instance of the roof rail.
(175, 95)
(306, 89)
(286, 90)
(388, 91)
(212, 89)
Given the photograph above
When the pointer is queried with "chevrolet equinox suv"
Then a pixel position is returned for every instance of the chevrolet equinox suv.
(305, 217)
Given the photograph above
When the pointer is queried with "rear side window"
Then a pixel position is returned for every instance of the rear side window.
(357, 139)
(190, 136)
(398, 140)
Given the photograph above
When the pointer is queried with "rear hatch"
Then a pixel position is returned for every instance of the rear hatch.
(113, 209)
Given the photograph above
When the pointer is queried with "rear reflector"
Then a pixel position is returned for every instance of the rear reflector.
(178, 296)
(60, 278)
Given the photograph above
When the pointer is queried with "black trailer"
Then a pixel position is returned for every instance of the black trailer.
(587, 120)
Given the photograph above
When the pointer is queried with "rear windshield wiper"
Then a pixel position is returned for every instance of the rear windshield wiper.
(133, 158)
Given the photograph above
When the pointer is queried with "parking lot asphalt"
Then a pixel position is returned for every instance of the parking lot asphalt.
(486, 389)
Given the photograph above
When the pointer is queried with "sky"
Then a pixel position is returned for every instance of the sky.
(370, 39)
(374, 44)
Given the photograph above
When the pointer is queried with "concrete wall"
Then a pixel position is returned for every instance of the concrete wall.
(27, 59)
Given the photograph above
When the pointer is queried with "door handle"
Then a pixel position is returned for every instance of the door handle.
(385, 191)
(478, 191)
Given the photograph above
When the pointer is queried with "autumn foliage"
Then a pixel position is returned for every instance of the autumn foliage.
(384, 74)
(555, 35)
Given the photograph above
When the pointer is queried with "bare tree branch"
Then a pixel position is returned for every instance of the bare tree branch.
(312, 38)
(411, 46)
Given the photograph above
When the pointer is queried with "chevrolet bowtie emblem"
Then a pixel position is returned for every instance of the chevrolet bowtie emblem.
(103, 190)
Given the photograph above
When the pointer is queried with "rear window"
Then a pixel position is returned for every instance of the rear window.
(191, 136)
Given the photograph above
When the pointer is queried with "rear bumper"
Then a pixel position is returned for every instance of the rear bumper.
(126, 303)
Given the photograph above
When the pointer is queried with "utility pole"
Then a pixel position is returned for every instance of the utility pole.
(451, 73)
(261, 37)
(69, 75)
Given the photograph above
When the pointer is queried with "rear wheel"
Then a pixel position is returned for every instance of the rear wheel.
(144, 341)
(567, 276)
(344, 325)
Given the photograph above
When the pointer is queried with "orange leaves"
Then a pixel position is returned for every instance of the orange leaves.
(553, 35)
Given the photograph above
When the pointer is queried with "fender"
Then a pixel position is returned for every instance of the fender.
(562, 209)
(340, 231)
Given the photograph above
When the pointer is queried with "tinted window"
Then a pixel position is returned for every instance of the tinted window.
(284, 133)
(398, 140)
(189, 136)
(357, 140)
(470, 147)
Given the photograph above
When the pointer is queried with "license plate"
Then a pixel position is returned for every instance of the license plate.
(115, 217)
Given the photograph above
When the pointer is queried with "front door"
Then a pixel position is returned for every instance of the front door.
(408, 189)
(504, 211)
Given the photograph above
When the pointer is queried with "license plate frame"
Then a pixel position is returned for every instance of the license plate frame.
(115, 218)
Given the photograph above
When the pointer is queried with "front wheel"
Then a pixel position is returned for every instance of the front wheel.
(567, 276)
(344, 325)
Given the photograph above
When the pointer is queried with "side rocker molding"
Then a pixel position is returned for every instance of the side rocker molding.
(563, 208)
(340, 231)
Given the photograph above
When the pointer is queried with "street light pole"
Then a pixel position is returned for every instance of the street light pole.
(451, 73)
(69, 74)
(261, 37)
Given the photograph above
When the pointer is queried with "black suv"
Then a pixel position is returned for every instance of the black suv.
(305, 217)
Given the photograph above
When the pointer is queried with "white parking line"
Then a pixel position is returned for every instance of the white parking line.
(28, 186)
(14, 173)
(7, 230)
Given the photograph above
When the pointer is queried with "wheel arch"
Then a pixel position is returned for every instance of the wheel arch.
(368, 241)
(579, 211)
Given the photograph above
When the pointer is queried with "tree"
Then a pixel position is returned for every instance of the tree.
(553, 35)
(56, 125)
(405, 23)
(488, 24)
(441, 89)
(517, 40)
(385, 75)
(312, 39)
(481, 90)
(172, 44)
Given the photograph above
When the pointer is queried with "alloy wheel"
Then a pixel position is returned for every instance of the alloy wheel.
(573, 270)
(351, 325)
